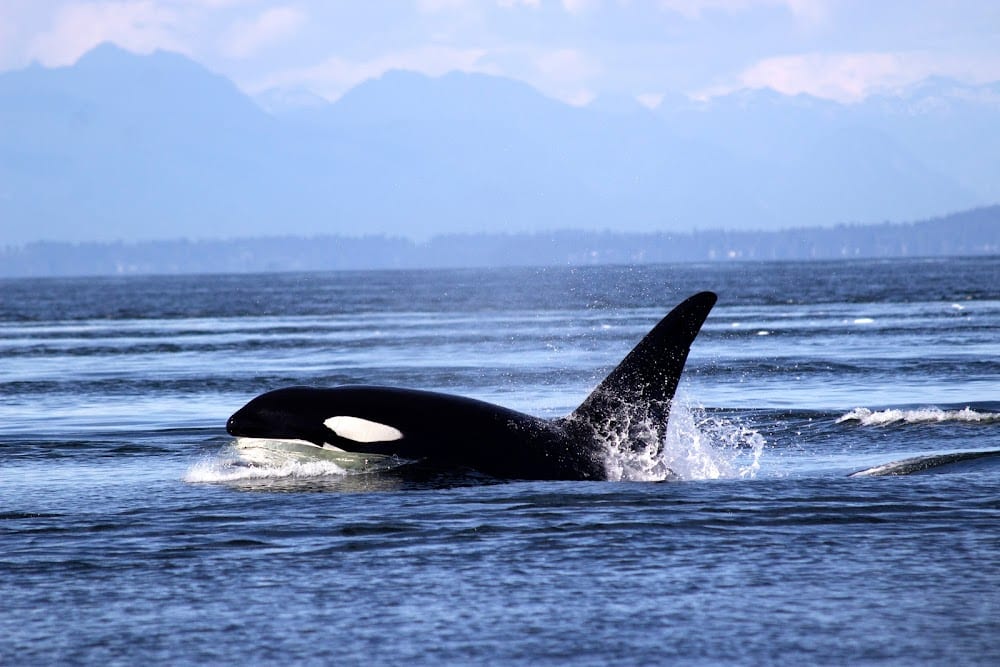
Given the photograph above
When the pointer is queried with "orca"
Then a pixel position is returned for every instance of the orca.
(948, 462)
(630, 406)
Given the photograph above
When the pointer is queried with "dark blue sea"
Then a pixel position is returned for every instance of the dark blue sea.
(132, 533)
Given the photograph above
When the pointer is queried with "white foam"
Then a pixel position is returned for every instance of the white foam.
(866, 417)
(241, 460)
(697, 447)
(263, 458)
(227, 469)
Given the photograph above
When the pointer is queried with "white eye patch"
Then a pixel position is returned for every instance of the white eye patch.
(362, 430)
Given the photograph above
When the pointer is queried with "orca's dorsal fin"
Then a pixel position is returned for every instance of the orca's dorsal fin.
(643, 384)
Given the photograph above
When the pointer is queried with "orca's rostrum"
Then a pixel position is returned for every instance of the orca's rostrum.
(630, 406)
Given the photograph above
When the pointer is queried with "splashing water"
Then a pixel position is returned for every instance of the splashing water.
(697, 446)
(229, 466)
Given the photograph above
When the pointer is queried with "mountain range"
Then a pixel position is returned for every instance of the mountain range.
(121, 146)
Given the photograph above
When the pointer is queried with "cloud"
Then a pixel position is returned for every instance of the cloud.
(806, 11)
(507, 4)
(7, 30)
(567, 74)
(650, 100)
(579, 6)
(434, 6)
(851, 77)
(76, 28)
(812, 12)
(271, 26)
(567, 65)
(843, 77)
(579, 98)
(335, 76)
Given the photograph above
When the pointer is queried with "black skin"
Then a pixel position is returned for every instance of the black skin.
(458, 431)
(437, 427)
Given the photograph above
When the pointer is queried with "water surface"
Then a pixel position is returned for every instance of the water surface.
(129, 533)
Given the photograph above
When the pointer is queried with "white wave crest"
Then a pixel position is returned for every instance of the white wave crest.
(230, 467)
(866, 417)
(697, 446)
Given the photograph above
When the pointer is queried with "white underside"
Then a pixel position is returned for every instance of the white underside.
(268, 452)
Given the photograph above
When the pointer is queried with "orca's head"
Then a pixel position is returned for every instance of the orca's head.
(293, 413)
(335, 416)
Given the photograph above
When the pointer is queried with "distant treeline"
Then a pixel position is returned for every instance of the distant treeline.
(975, 232)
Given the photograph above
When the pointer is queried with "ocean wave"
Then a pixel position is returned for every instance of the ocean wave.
(867, 417)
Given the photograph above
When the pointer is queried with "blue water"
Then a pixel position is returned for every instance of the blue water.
(130, 532)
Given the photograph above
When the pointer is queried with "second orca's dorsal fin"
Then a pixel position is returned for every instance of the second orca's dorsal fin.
(644, 383)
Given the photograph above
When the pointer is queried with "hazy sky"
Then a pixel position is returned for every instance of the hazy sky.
(570, 49)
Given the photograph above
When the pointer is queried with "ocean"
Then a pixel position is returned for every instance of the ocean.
(131, 531)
